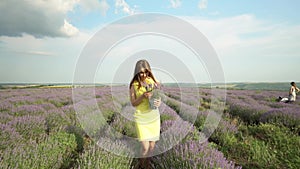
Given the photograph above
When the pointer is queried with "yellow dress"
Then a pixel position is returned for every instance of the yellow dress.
(147, 120)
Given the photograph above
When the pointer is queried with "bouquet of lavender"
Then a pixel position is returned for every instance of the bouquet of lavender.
(157, 95)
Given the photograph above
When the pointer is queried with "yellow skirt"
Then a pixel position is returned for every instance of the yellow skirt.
(148, 125)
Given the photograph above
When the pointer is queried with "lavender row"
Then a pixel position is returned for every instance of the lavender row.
(54, 152)
(251, 106)
(200, 118)
(193, 152)
(52, 110)
(123, 123)
(34, 121)
(262, 106)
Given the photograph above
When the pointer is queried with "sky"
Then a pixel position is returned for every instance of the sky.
(47, 41)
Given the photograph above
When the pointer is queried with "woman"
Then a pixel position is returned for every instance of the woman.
(292, 93)
(147, 120)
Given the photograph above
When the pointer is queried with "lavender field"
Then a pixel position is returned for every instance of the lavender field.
(40, 128)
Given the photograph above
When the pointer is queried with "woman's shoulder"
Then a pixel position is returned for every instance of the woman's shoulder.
(135, 83)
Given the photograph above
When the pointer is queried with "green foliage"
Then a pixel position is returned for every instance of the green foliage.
(59, 150)
(96, 158)
(199, 122)
(284, 120)
(260, 86)
(129, 129)
(249, 152)
(284, 144)
(247, 114)
(79, 134)
(261, 146)
(205, 105)
(55, 152)
(32, 127)
(164, 117)
(55, 121)
(60, 103)
(272, 99)
(108, 115)
(175, 107)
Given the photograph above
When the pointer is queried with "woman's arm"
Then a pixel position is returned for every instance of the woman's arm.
(136, 101)
(297, 89)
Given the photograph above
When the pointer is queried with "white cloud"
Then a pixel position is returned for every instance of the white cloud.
(121, 4)
(251, 49)
(38, 18)
(69, 29)
(43, 18)
(40, 53)
(227, 33)
(95, 5)
(175, 3)
(44, 59)
(104, 7)
(27, 44)
(203, 4)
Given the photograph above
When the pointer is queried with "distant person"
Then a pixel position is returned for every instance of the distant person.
(147, 120)
(292, 94)
(293, 90)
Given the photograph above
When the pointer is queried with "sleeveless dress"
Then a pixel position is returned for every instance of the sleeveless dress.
(147, 120)
(292, 96)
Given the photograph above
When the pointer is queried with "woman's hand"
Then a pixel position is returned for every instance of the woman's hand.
(157, 102)
(147, 95)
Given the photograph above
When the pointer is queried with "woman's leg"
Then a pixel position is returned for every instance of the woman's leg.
(145, 149)
(151, 147)
(150, 153)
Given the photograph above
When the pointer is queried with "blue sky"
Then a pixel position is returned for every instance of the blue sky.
(255, 40)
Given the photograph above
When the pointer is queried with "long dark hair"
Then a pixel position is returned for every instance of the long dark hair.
(139, 67)
(293, 84)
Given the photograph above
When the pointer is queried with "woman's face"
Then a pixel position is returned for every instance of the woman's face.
(143, 74)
